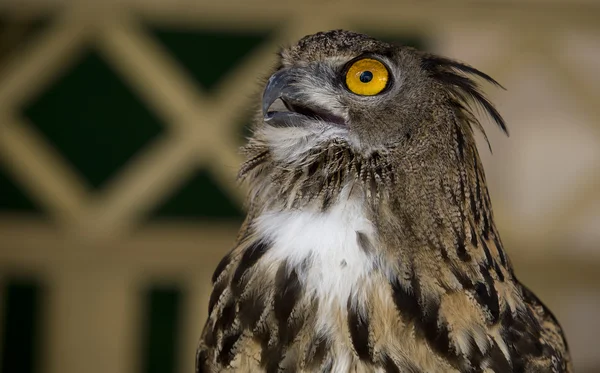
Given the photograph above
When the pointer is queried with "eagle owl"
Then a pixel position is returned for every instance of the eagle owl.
(370, 243)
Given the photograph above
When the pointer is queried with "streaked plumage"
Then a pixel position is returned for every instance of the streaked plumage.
(370, 243)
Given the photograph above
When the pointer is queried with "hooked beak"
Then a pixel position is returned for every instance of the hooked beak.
(283, 85)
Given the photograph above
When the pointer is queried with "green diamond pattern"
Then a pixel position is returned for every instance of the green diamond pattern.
(93, 119)
(199, 198)
(209, 55)
(13, 198)
(20, 345)
(162, 329)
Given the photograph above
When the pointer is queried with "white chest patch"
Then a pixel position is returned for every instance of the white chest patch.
(327, 242)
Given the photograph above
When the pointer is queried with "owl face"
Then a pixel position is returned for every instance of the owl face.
(346, 86)
(372, 95)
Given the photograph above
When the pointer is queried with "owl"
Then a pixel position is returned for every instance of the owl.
(370, 243)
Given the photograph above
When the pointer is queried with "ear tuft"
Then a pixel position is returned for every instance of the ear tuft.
(456, 77)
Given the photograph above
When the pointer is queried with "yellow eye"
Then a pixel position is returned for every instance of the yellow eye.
(367, 77)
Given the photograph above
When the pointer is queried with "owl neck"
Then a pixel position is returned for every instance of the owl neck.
(417, 206)
(325, 271)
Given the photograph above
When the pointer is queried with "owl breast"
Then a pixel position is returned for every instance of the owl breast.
(329, 251)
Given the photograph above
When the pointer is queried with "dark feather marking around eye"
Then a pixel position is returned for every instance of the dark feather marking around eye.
(455, 75)
(226, 354)
(359, 332)
(249, 259)
(287, 294)
(221, 267)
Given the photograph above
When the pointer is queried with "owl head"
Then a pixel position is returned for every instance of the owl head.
(373, 95)
(343, 107)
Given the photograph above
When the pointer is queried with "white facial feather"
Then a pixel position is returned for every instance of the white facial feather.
(291, 144)
(327, 243)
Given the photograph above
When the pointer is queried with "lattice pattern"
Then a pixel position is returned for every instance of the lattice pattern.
(97, 250)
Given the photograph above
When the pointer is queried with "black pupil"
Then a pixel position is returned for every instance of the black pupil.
(366, 76)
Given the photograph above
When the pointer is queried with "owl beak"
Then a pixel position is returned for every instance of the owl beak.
(283, 86)
(279, 86)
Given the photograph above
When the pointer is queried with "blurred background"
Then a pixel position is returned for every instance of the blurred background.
(120, 123)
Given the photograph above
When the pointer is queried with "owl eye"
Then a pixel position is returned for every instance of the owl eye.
(367, 77)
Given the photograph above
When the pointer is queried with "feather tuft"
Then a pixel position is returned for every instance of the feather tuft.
(456, 76)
